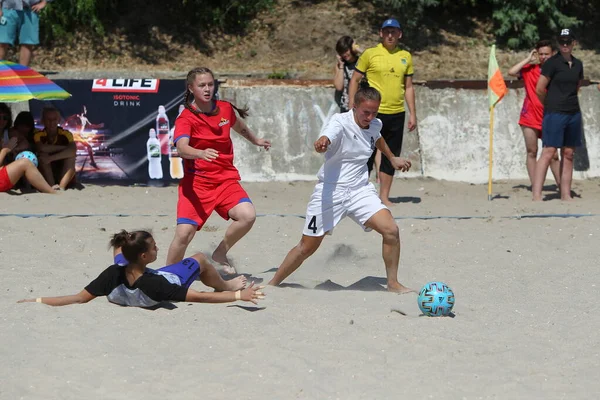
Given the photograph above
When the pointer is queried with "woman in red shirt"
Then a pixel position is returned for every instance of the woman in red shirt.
(211, 181)
(532, 112)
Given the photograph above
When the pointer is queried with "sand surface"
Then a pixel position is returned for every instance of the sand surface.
(525, 327)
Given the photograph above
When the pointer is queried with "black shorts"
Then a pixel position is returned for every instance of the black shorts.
(392, 132)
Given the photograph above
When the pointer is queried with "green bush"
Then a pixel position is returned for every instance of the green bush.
(65, 17)
(522, 23)
(279, 75)
(517, 23)
(61, 18)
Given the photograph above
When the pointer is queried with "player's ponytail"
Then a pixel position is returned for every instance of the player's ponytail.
(118, 239)
(243, 112)
(132, 244)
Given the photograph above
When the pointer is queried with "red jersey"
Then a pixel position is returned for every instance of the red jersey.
(532, 112)
(209, 132)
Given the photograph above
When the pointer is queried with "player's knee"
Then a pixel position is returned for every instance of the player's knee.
(391, 232)
(200, 257)
(184, 236)
(249, 218)
(307, 249)
(532, 152)
(244, 212)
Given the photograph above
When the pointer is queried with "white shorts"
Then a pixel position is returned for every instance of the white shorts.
(329, 205)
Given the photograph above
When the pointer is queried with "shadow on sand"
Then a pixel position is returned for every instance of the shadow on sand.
(366, 284)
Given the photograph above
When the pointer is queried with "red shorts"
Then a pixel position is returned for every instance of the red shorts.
(5, 184)
(531, 124)
(532, 117)
(197, 200)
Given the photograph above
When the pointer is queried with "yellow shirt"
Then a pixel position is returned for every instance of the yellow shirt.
(385, 71)
(62, 138)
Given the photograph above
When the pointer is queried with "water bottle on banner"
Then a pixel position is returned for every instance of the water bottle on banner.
(153, 149)
(162, 129)
(175, 162)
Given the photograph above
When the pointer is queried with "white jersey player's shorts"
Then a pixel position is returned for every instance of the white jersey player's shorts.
(328, 205)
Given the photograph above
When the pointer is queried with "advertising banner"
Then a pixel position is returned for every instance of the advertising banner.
(122, 128)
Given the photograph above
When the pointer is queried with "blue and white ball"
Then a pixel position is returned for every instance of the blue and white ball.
(436, 299)
(28, 155)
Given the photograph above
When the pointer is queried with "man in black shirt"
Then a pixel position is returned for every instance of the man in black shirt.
(562, 127)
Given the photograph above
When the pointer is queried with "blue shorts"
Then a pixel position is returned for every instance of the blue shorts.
(562, 130)
(183, 273)
(23, 24)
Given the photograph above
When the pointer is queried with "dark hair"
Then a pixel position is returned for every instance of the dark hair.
(344, 44)
(49, 109)
(189, 81)
(25, 118)
(544, 43)
(367, 93)
(5, 109)
(132, 244)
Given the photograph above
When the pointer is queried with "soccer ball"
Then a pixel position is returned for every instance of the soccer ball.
(436, 299)
(28, 155)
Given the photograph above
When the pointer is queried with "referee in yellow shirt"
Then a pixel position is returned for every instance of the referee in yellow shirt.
(388, 69)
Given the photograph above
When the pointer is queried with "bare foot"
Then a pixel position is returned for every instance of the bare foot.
(227, 269)
(400, 288)
(536, 198)
(566, 198)
(236, 283)
(224, 263)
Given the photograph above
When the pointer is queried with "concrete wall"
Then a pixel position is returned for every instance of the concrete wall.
(451, 143)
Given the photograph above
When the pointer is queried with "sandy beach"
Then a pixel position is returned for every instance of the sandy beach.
(525, 277)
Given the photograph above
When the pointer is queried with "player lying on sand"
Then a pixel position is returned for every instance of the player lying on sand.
(348, 140)
(129, 283)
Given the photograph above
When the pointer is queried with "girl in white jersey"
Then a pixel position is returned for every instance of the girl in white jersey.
(348, 140)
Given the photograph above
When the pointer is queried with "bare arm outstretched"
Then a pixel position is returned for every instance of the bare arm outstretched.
(80, 298)
(251, 294)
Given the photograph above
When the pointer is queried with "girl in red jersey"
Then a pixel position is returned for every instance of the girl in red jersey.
(211, 181)
(532, 112)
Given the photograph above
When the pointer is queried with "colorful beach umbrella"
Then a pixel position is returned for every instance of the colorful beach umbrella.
(21, 83)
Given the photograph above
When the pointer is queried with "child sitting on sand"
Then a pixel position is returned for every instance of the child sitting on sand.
(129, 283)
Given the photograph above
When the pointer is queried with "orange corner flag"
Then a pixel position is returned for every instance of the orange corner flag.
(496, 85)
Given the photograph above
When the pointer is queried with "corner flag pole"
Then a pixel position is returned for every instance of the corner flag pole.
(496, 91)
(491, 153)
